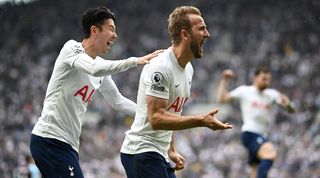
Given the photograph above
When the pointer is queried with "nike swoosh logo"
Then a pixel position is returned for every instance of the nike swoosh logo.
(177, 85)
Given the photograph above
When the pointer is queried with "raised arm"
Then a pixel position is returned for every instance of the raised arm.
(101, 67)
(111, 93)
(223, 95)
(161, 119)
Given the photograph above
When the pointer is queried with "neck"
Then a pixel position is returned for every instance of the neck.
(88, 47)
(258, 88)
(182, 53)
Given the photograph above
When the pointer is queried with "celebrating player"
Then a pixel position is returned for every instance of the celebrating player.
(78, 72)
(256, 103)
(164, 88)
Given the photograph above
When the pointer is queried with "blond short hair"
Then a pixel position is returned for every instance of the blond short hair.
(179, 20)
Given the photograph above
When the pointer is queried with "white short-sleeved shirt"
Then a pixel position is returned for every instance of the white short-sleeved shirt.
(162, 78)
(71, 88)
(256, 107)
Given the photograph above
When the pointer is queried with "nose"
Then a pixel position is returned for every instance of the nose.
(115, 35)
(207, 34)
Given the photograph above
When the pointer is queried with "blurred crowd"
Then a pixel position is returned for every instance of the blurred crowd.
(281, 35)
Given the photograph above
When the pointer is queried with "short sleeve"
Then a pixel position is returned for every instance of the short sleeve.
(157, 80)
(238, 92)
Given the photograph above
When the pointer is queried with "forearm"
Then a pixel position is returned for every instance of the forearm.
(290, 107)
(126, 106)
(101, 67)
(165, 120)
(222, 93)
(172, 147)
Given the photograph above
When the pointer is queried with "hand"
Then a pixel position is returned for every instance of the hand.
(145, 59)
(227, 74)
(286, 103)
(213, 123)
(177, 159)
(284, 100)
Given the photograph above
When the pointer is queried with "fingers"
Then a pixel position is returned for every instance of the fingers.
(146, 59)
(180, 162)
(158, 51)
(228, 126)
(221, 126)
(155, 53)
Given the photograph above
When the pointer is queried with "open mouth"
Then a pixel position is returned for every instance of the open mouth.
(110, 43)
(203, 42)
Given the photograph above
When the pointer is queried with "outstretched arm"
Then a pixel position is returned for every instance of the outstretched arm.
(161, 119)
(223, 95)
(101, 67)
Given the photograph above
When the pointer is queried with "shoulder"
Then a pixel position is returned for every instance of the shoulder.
(240, 90)
(73, 47)
(159, 64)
(245, 87)
(189, 68)
(272, 92)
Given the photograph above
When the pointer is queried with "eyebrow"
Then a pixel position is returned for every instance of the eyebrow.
(112, 26)
(202, 26)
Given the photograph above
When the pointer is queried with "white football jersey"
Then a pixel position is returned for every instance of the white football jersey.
(71, 88)
(256, 107)
(162, 78)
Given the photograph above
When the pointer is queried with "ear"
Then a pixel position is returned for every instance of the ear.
(93, 30)
(184, 34)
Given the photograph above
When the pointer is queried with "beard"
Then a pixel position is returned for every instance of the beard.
(195, 49)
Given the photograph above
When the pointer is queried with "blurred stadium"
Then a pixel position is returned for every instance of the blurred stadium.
(282, 35)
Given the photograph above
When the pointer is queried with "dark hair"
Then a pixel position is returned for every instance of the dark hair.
(95, 16)
(260, 70)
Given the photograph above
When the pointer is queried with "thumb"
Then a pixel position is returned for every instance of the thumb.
(213, 112)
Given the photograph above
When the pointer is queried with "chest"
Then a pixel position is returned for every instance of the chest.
(180, 91)
(84, 86)
(258, 101)
(181, 85)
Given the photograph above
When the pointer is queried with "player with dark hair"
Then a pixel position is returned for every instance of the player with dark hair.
(256, 103)
(164, 88)
(78, 72)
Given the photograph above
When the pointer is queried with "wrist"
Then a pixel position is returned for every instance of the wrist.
(201, 121)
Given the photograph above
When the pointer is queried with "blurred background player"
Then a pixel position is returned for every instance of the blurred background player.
(164, 88)
(78, 72)
(32, 168)
(256, 102)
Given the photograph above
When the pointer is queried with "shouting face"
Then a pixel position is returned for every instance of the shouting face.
(105, 36)
(199, 34)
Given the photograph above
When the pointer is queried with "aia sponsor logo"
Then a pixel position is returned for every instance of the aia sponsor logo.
(84, 94)
(177, 105)
(260, 105)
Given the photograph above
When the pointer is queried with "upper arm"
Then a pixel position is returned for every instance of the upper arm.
(226, 98)
(72, 51)
(157, 85)
(155, 107)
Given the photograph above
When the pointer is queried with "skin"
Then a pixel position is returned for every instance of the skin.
(261, 82)
(189, 47)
